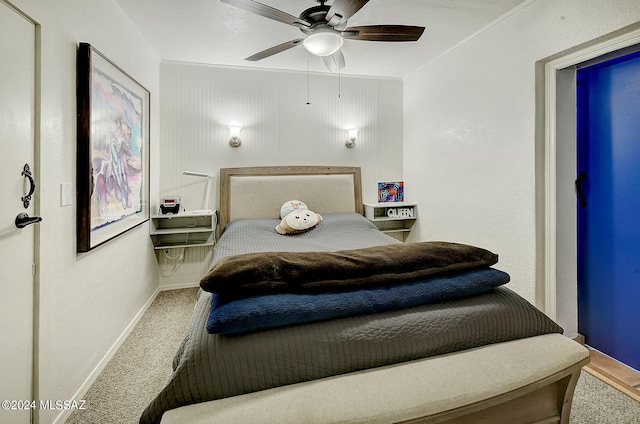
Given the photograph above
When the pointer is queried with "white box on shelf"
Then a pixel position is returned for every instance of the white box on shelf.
(392, 218)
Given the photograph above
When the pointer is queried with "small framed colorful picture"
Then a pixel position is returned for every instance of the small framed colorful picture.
(391, 191)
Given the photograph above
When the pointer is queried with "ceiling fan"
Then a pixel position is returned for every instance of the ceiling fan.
(326, 28)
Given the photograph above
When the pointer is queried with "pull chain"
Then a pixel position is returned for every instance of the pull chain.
(339, 84)
(308, 84)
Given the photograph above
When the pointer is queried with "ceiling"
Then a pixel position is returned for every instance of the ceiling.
(212, 32)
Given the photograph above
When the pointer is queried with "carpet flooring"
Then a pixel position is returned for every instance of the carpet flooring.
(139, 369)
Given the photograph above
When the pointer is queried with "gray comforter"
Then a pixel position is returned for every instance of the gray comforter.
(209, 367)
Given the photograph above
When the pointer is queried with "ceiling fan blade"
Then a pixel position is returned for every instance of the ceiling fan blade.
(384, 33)
(268, 12)
(342, 10)
(275, 49)
(334, 62)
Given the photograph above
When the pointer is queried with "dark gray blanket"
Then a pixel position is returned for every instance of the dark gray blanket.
(209, 367)
(215, 366)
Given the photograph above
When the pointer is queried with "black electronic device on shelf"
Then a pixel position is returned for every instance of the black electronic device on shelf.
(170, 204)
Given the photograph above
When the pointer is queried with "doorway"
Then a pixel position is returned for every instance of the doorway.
(557, 155)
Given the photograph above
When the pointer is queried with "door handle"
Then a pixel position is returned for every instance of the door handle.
(22, 220)
(26, 172)
(582, 177)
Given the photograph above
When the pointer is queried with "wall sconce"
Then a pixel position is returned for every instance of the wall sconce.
(234, 130)
(205, 206)
(353, 134)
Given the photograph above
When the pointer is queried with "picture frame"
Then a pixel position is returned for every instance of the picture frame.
(390, 191)
(112, 169)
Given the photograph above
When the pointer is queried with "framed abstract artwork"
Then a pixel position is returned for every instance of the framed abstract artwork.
(112, 170)
(391, 191)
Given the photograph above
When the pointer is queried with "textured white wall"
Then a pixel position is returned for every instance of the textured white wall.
(86, 300)
(470, 131)
(278, 128)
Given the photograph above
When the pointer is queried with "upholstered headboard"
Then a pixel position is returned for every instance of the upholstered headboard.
(259, 192)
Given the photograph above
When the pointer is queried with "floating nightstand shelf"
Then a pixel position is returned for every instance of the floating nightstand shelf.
(185, 229)
(393, 218)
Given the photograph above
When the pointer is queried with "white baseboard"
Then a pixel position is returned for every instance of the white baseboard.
(84, 388)
(179, 286)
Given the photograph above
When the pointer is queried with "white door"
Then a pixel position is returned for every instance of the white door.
(17, 105)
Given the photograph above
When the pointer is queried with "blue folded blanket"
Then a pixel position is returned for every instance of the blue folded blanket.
(233, 315)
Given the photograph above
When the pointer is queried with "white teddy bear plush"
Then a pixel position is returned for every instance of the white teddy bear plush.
(290, 206)
(297, 222)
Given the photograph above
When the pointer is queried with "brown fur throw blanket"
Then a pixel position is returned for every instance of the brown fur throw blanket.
(306, 272)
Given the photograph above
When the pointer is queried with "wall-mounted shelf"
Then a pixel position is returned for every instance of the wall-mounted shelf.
(393, 218)
(184, 229)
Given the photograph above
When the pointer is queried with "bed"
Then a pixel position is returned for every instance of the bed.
(345, 324)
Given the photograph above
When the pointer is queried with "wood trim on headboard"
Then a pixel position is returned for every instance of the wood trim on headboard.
(227, 173)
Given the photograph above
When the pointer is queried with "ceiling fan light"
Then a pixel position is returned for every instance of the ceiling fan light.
(323, 43)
